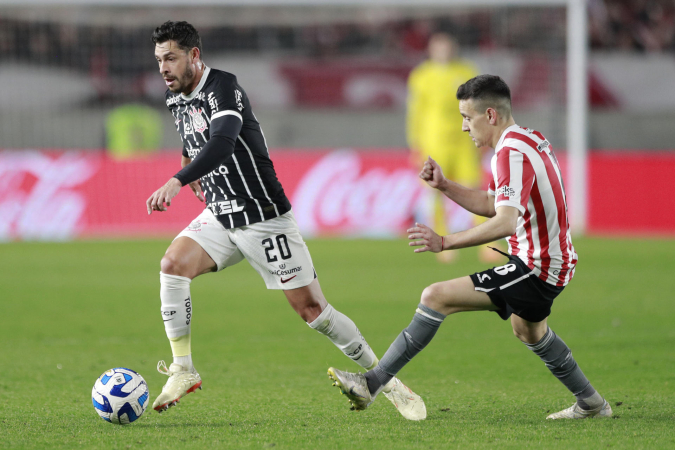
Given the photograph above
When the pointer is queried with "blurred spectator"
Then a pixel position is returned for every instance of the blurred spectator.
(637, 25)
(434, 125)
(133, 130)
(111, 54)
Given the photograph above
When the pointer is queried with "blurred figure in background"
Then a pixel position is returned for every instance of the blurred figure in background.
(133, 130)
(435, 129)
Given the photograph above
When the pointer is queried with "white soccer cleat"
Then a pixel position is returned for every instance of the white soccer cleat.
(410, 405)
(181, 382)
(575, 412)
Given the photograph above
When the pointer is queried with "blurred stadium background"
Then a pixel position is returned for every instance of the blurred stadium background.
(85, 137)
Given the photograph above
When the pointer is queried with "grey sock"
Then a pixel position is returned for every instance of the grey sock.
(558, 358)
(409, 343)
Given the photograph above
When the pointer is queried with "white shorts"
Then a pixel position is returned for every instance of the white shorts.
(273, 247)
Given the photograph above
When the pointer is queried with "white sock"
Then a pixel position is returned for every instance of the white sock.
(185, 361)
(177, 315)
(345, 335)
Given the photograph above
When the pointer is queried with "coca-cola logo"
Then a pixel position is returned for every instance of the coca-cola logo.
(37, 195)
(339, 194)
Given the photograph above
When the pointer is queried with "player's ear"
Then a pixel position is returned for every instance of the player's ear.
(492, 116)
(194, 54)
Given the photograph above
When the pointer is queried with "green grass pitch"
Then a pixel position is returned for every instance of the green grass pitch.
(70, 311)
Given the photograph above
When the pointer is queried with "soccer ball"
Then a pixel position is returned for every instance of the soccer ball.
(120, 395)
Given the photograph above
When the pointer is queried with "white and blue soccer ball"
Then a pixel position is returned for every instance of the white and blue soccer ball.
(120, 395)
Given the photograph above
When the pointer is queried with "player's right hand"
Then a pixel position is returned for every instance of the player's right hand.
(422, 236)
(196, 187)
(163, 195)
(431, 173)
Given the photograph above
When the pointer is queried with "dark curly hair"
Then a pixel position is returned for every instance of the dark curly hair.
(185, 35)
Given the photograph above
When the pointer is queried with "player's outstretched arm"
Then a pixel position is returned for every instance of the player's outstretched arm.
(475, 201)
(502, 225)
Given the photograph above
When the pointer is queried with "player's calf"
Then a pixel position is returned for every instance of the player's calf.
(344, 333)
(559, 360)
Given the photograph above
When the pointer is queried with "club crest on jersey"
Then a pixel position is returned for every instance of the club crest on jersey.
(198, 121)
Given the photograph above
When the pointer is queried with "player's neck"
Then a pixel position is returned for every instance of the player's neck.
(199, 73)
(500, 131)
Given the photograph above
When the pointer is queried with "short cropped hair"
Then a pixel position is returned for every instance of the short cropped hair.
(487, 91)
(185, 35)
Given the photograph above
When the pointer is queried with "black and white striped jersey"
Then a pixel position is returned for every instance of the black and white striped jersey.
(244, 189)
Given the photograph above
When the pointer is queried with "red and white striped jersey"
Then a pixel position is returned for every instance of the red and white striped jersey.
(526, 176)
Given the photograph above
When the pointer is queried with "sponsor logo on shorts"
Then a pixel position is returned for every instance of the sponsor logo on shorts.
(281, 272)
(482, 277)
(287, 279)
(196, 226)
(506, 191)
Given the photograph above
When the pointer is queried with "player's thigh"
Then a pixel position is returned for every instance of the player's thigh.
(276, 250)
(210, 244)
(186, 258)
(448, 297)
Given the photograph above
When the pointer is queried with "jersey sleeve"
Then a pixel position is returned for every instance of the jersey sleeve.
(491, 187)
(515, 177)
(225, 98)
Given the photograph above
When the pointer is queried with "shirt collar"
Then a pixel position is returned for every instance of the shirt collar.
(199, 87)
(500, 143)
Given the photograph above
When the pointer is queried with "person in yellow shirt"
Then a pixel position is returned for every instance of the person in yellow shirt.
(434, 126)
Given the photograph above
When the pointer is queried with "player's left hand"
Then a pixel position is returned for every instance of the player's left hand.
(196, 187)
(163, 195)
(422, 235)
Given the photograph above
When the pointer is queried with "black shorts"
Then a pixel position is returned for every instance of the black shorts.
(515, 289)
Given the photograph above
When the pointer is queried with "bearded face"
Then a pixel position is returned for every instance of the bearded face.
(176, 66)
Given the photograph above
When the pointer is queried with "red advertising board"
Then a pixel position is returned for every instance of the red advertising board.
(63, 195)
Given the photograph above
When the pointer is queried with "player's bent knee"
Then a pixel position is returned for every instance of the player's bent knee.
(518, 334)
(305, 303)
(309, 313)
(525, 335)
(435, 297)
(172, 264)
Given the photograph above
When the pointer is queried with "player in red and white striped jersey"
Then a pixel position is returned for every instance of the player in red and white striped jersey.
(525, 203)
(526, 176)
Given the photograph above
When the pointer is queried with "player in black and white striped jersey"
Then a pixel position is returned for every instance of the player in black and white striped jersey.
(227, 165)
(243, 189)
